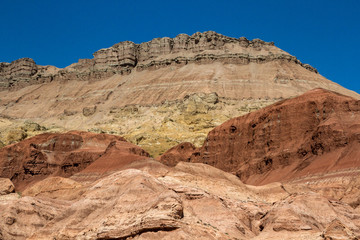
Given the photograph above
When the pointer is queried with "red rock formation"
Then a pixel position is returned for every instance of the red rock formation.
(317, 132)
(53, 154)
(179, 153)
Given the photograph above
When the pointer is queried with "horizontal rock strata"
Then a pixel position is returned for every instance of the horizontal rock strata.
(123, 57)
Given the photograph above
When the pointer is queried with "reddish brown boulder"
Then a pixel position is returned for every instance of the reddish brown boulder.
(179, 153)
(6, 186)
(54, 154)
(317, 132)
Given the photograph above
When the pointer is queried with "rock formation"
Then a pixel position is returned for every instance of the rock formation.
(315, 133)
(179, 153)
(6, 186)
(126, 89)
(80, 185)
(147, 200)
(302, 152)
(150, 127)
(123, 57)
(61, 155)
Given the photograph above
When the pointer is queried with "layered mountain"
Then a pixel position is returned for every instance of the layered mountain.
(156, 94)
(299, 143)
(125, 57)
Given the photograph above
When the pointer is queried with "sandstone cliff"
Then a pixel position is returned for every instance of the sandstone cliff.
(123, 57)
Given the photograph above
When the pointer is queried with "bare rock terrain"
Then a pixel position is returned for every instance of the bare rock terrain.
(6, 186)
(148, 200)
(317, 132)
(140, 91)
(250, 143)
(102, 187)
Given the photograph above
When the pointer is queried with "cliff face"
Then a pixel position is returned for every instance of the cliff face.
(19, 73)
(123, 57)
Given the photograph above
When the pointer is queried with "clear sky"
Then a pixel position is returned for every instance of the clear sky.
(323, 33)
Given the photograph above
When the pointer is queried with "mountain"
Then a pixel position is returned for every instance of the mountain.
(150, 92)
(195, 137)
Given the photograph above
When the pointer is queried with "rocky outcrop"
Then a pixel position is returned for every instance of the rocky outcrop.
(19, 72)
(179, 153)
(315, 132)
(88, 111)
(6, 186)
(122, 58)
(24, 72)
(56, 188)
(52, 154)
(293, 215)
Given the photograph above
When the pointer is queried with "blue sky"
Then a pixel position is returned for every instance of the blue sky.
(323, 33)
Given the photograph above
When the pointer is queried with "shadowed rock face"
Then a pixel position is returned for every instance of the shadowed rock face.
(18, 73)
(61, 155)
(314, 133)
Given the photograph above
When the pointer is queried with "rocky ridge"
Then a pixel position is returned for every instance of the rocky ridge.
(123, 57)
